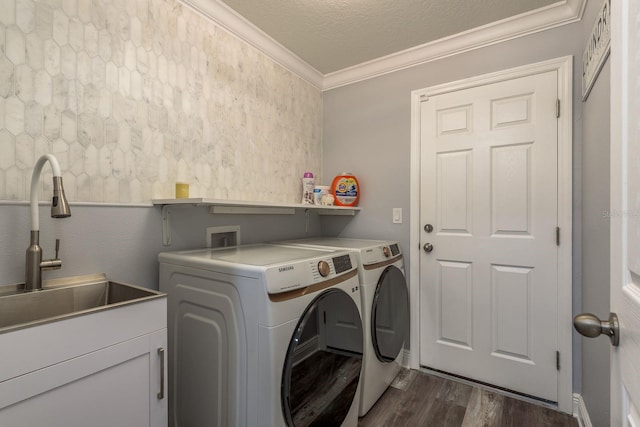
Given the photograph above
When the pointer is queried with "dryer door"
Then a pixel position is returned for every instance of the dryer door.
(319, 382)
(390, 314)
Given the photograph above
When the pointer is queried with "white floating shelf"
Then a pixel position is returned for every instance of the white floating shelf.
(255, 207)
(241, 207)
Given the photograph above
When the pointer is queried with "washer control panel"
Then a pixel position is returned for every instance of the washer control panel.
(342, 263)
(323, 268)
(386, 252)
(300, 274)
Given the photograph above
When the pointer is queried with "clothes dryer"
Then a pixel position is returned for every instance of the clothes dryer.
(248, 341)
(385, 309)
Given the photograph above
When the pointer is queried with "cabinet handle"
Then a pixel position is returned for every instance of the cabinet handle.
(161, 392)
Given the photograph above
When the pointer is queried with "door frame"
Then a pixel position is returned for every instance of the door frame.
(564, 68)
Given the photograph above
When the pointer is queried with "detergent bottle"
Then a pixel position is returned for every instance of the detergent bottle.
(345, 189)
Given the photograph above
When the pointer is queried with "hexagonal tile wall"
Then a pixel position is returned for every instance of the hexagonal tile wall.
(132, 96)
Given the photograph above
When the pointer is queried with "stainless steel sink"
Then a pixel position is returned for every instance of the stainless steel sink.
(63, 298)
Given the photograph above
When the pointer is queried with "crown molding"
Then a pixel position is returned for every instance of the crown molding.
(561, 13)
(554, 15)
(227, 18)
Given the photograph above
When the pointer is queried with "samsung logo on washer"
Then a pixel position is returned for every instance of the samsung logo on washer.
(287, 268)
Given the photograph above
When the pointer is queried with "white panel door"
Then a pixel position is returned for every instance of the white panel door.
(625, 214)
(489, 187)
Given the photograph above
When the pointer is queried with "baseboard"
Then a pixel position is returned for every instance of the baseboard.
(580, 411)
(406, 357)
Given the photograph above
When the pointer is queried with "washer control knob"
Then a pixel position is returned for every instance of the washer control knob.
(323, 268)
(386, 252)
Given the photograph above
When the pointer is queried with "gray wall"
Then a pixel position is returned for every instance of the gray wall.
(124, 241)
(595, 235)
(595, 251)
(367, 132)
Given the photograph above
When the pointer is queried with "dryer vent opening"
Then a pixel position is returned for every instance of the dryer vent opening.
(223, 237)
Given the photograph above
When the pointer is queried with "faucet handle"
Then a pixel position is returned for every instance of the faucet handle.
(52, 264)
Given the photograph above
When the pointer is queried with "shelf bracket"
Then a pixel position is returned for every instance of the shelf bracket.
(166, 225)
(306, 220)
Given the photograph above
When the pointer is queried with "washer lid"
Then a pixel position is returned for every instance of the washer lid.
(281, 268)
(370, 251)
(254, 255)
(337, 242)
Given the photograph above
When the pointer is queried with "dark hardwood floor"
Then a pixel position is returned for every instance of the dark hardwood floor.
(420, 399)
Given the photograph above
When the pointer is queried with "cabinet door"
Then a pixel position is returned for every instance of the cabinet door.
(114, 386)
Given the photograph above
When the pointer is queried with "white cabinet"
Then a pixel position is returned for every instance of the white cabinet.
(103, 369)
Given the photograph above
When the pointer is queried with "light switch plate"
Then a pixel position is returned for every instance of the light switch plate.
(397, 215)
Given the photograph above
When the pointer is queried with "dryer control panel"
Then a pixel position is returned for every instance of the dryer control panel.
(380, 253)
(395, 249)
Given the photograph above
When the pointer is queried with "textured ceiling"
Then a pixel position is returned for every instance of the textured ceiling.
(331, 35)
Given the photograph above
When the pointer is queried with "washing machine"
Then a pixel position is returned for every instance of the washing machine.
(263, 335)
(385, 309)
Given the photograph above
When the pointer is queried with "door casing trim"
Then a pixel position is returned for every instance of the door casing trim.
(564, 68)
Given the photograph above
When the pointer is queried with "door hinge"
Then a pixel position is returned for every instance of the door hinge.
(557, 108)
(558, 360)
(557, 236)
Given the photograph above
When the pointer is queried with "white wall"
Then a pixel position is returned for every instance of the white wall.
(367, 132)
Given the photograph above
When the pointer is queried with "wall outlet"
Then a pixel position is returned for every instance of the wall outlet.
(397, 215)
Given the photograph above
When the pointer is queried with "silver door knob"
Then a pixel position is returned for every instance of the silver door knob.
(591, 326)
(428, 228)
(428, 247)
